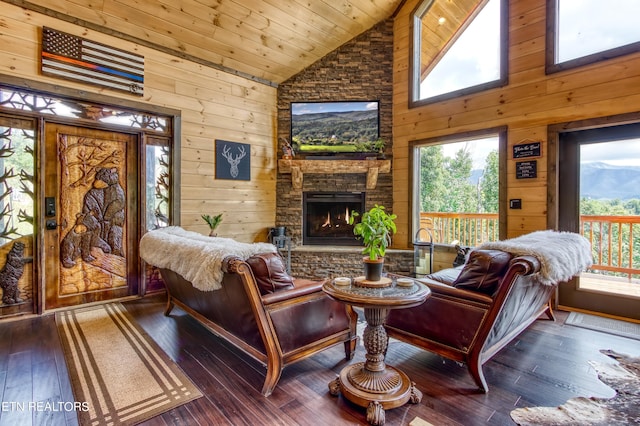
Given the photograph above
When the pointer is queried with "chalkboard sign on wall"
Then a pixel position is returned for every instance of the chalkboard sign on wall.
(526, 150)
(526, 169)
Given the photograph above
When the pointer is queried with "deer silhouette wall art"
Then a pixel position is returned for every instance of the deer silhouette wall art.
(232, 160)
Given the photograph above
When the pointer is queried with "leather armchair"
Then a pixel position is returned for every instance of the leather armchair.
(475, 311)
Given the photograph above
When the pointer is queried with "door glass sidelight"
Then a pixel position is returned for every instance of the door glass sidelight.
(17, 207)
(157, 199)
(157, 183)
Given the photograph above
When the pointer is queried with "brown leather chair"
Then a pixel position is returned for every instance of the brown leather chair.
(266, 313)
(475, 311)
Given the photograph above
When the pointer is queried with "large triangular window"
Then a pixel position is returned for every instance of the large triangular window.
(458, 48)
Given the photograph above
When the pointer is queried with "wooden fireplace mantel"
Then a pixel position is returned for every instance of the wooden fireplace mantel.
(298, 168)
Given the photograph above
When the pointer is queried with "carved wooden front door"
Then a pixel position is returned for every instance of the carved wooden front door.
(90, 215)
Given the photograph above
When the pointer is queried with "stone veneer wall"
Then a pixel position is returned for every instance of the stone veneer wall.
(325, 262)
(359, 70)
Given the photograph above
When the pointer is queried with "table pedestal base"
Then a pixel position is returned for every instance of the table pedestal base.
(375, 390)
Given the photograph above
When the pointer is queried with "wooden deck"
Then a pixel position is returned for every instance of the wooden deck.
(602, 283)
(545, 366)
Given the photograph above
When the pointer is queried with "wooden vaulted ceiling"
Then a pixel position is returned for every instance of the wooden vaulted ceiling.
(265, 40)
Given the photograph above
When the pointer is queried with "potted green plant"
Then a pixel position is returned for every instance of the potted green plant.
(378, 146)
(375, 228)
(213, 222)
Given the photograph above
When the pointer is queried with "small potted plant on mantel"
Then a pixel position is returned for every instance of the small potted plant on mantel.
(375, 228)
(213, 222)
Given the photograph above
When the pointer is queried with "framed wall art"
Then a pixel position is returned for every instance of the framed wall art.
(233, 160)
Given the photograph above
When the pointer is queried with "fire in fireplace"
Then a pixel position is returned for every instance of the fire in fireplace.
(326, 217)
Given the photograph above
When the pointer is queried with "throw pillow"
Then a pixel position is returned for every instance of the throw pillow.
(270, 273)
(483, 271)
(446, 276)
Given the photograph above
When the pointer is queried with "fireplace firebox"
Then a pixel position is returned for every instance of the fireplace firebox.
(326, 217)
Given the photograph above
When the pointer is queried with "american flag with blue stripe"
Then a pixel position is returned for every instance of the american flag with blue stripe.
(74, 58)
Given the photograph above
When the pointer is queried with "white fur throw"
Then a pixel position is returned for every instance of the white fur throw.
(562, 255)
(198, 258)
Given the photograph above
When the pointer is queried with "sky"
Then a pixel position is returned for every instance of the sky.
(479, 148)
(473, 59)
(298, 108)
(589, 26)
(618, 153)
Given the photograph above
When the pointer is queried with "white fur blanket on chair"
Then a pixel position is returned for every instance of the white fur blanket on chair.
(562, 255)
(198, 258)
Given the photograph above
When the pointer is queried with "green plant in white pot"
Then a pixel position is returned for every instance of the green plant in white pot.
(375, 228)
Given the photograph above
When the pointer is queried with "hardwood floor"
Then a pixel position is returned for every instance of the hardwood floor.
(545, 366)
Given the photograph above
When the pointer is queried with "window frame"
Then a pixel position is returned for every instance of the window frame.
(415, 51)
(552, 31)
(414, 172)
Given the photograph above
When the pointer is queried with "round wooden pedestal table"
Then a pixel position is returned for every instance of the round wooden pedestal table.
(373, 384)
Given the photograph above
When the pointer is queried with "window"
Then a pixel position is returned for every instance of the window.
(158, 182)
(458, 48)
(588, 31)
(17, 178)
(17, 211)
(457, 192)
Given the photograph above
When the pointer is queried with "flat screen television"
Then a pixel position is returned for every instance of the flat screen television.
(335, 127)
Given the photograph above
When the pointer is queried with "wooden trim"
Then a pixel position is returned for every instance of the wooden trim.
(550, 36)
(297, 169)
(503, 160)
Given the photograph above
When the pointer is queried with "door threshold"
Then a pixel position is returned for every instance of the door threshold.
(598, 314)
(85, 305)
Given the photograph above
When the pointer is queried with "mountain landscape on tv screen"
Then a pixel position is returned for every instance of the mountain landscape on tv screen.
(334, 131)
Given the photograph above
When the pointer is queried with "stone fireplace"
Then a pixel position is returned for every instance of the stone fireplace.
(361, 69)
(335, 187)
(326, 215)
(356, 184)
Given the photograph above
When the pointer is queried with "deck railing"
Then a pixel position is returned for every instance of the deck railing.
(615, 240)
(469, 229)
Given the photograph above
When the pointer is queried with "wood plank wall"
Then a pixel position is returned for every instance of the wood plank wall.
(527, 105)
(214, 105)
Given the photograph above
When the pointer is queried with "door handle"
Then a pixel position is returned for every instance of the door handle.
(51, 224)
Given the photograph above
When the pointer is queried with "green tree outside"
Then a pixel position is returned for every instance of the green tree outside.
(445, 185)
(433, 178)
(490, 184)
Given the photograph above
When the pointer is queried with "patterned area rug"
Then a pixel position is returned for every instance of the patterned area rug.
(622, 409)
(606, 325)
(116, 369)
